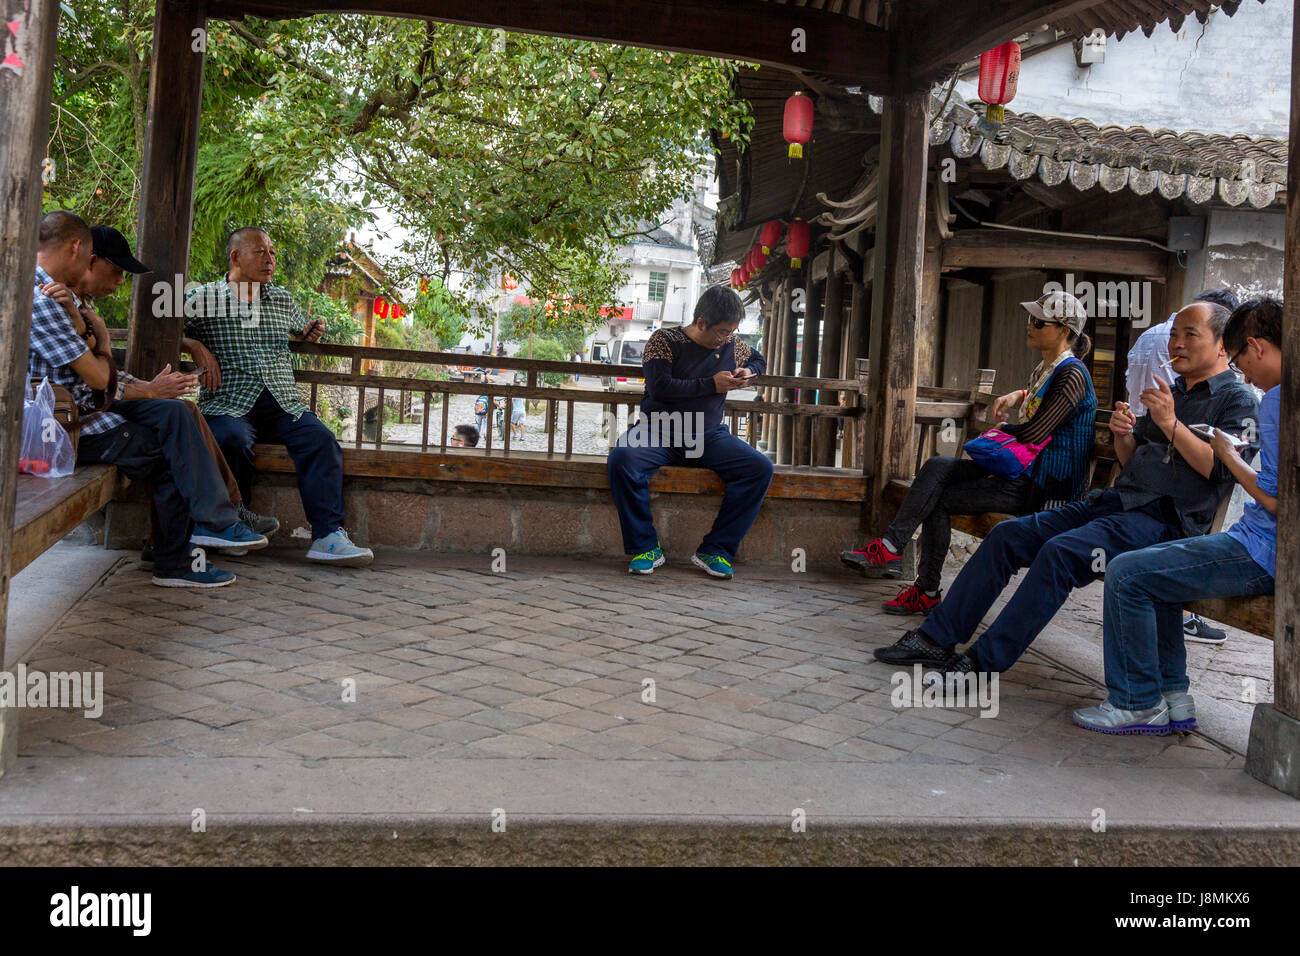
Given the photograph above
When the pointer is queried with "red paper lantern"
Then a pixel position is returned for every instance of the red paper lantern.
(735, 279)
(999, 73)
(760, 257)
(797, 239)
(770, 235)
(381, 308)
(798, 123)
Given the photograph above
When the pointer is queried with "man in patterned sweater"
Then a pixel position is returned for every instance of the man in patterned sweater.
(239, 329)
(688, 372)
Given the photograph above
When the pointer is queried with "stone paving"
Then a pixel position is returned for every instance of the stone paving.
(549, 660)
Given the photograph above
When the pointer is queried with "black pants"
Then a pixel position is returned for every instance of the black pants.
(161, 444)
(952, 486)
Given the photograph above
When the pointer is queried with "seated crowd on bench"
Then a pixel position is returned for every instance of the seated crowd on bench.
(1146, 531)
(199, 465)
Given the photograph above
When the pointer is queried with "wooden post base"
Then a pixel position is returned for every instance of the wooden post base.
(1273, 754)
(8, 737)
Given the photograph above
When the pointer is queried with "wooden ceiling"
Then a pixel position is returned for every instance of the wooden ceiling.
(884, 46)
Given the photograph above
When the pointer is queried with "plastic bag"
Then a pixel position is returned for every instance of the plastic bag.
(46, 450)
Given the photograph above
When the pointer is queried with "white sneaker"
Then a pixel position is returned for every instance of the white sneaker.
(337, 548)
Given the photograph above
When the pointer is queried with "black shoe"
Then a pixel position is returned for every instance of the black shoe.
(1197, 631)
(913, 648)
(958, 665)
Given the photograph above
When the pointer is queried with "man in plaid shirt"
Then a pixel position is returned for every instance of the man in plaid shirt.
(239, 328)
(150, 440)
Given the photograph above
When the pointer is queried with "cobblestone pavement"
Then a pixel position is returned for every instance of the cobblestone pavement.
(549, 660)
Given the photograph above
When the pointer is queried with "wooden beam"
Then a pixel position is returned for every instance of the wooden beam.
(841, 48)
(896, 295)
(789, 337)
(171, 146)
(1001, 249)
(24, 129)
(936, 45)
(534, 468)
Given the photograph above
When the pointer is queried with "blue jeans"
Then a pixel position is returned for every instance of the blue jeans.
(1063, 548)
(316, 455)
(1145, 594)
(746, 471)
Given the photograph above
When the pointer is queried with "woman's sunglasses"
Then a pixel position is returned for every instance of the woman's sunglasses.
(1042, 323)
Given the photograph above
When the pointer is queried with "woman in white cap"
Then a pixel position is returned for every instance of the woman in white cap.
(1058, 403)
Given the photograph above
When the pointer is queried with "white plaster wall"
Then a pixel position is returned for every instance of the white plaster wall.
(1230, 75)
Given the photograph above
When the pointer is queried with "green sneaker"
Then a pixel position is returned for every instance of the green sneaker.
(715, 564)
(646, 562)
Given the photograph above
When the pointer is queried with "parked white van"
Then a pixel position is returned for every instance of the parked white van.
(627, 349)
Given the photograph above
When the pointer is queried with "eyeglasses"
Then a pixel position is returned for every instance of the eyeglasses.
(1042, 323)
(1232, 362)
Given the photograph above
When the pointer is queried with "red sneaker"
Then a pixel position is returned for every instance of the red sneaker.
(875, 560)
(912, 600)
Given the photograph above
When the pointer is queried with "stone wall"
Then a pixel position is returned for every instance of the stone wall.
(474, 518)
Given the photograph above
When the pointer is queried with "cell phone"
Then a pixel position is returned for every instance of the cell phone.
(198, 371)
(1206, 433)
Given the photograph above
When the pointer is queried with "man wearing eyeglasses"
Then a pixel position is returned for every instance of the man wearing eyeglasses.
(1169, 488)
(1146, 659)
(1148, 358)
(688, 372)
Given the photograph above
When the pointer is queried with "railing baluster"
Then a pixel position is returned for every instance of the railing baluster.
(550, 427)
(568, 432)
(313, 398)
(379, 420)
(401, 407)
(361, 411)
(424, 425)
(446, 416)
(505, 438)
(491, 414)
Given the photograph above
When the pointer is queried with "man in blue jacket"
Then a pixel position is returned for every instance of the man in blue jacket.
(688, 372)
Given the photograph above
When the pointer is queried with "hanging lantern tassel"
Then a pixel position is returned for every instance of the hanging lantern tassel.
(770, 236)
(797, 124)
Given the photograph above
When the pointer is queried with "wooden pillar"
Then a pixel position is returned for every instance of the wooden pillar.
(24, 129)
(171, 145)
(1273, 754)
(832, 332)
(854, 349)
(896, 294)
(812, 324)
(780, 305)
(789, 338)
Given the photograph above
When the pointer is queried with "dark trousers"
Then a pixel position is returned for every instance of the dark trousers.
(316, 455)
(1063, 549)
(952, 486)
(746, 472)
(161, 444)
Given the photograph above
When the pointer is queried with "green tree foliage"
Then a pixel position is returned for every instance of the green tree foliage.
(495, 152)
(551, 351)
(438, 311)
(523, 321)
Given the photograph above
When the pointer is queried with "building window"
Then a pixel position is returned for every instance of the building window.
(658, 286)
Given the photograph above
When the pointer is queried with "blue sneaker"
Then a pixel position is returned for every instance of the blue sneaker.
(237, 536)
(210, 577)
(715, 564)
(646, 562)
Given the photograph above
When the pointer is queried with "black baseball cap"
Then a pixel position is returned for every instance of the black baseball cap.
(111, 245)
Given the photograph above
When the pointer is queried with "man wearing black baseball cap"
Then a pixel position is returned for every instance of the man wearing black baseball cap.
(110, 259)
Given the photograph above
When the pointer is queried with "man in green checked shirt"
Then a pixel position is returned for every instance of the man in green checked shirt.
(238, 329)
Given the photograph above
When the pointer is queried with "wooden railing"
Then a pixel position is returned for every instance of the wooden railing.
(752, 419)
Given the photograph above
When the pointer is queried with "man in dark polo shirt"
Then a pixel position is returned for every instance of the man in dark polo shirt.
(1170, 487)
